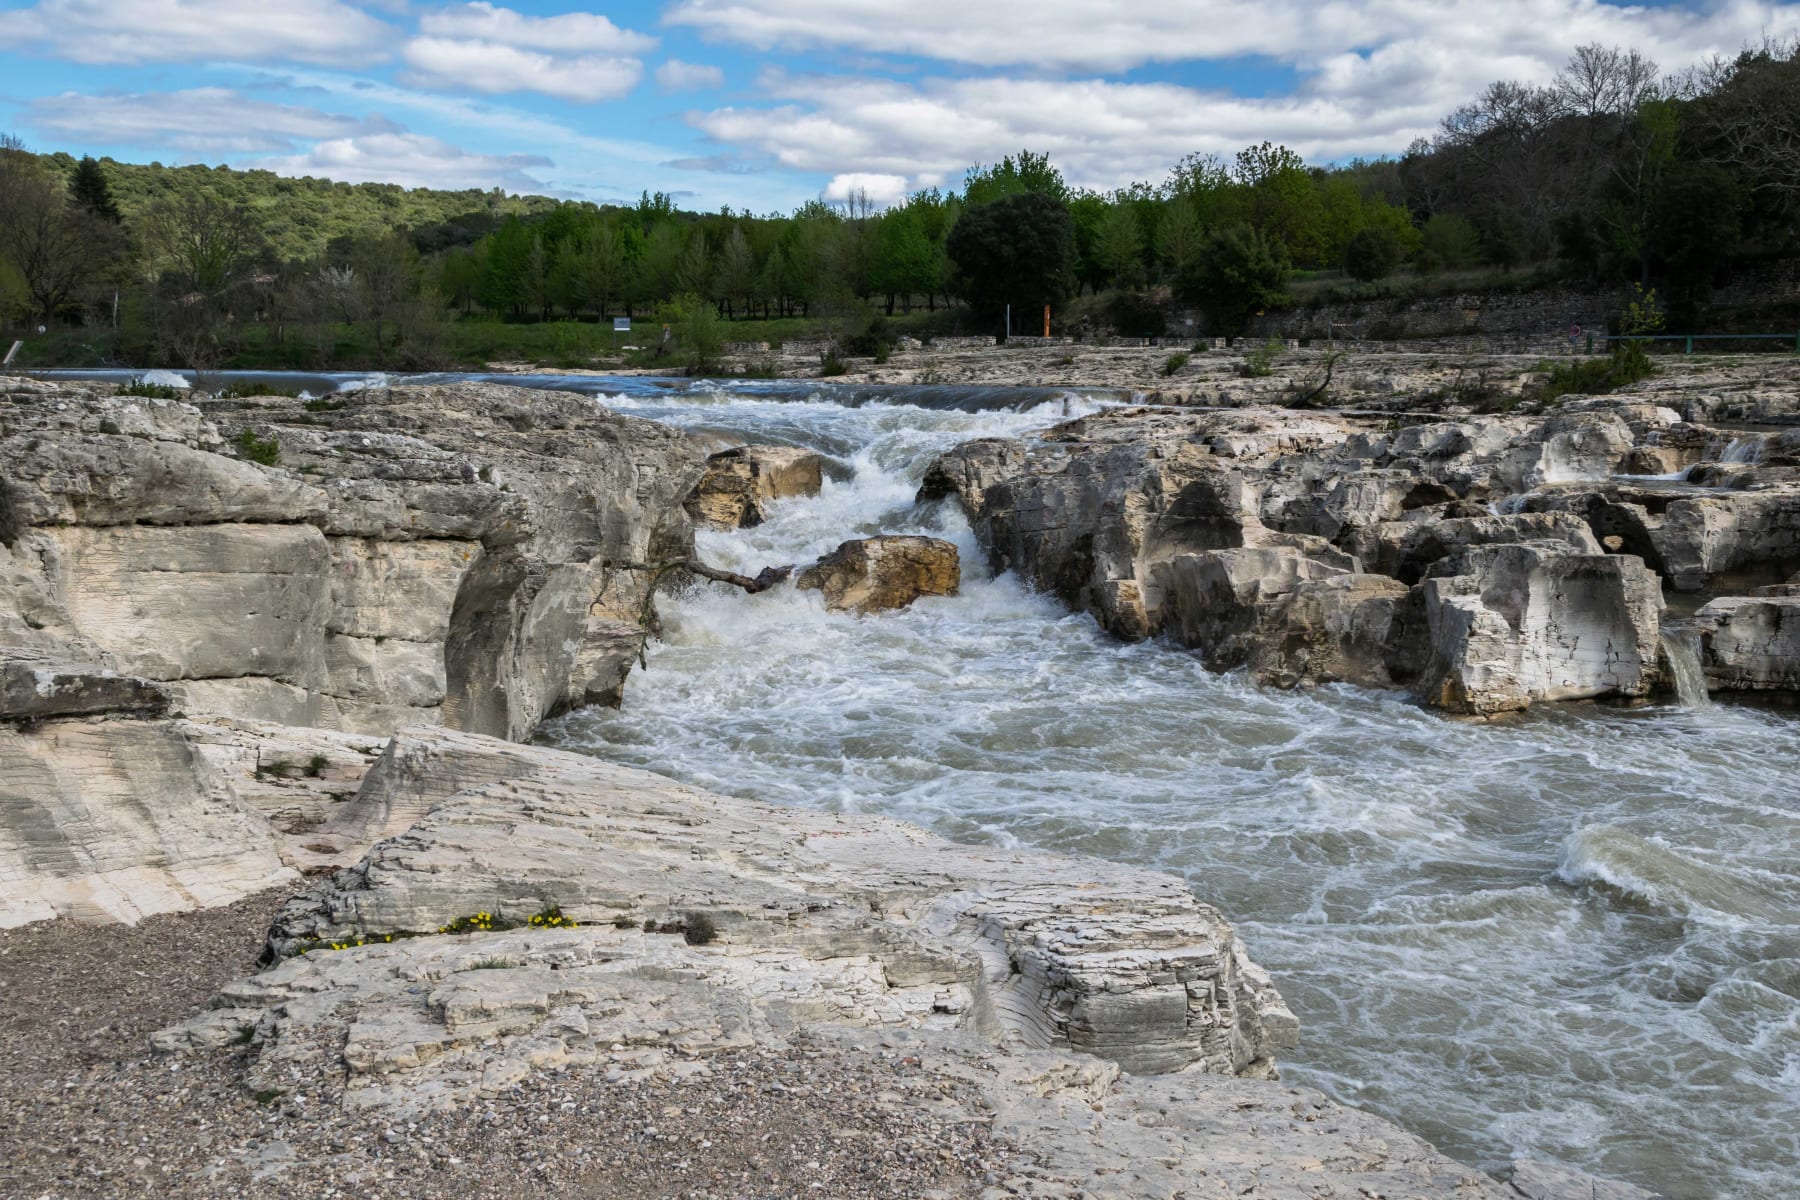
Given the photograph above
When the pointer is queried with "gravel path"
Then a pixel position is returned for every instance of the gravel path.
(87, 1111)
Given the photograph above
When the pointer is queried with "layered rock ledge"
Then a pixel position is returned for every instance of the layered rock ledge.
(384, 558)
(1108, 1028)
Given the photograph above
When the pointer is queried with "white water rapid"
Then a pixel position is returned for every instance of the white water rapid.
(1572, 937)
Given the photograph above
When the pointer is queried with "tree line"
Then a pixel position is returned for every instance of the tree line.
(1613, 172)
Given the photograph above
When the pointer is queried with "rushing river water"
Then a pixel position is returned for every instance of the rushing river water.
(1574, 936)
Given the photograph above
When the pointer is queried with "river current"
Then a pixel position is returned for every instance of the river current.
(1573, 936)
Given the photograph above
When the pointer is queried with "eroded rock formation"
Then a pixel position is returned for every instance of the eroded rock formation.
(1486, 563)
(877, 574)
(414, 555)
(740, 483)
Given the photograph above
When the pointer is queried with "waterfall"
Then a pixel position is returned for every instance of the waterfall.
(1743, 450)
(1683, 655)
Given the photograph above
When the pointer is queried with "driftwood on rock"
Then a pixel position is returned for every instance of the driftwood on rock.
(764, 579)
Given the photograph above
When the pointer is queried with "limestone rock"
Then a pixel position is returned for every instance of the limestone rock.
(740, 483)
(117, 819)
(1515, 624)
(1751, 643)
(32, 690)
(1360, 629)
(1547, 1181)
(881, 573)
(817, 916)
(1020, 983)
(420, 555)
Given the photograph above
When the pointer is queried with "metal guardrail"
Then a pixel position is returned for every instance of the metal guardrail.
(1691, 338)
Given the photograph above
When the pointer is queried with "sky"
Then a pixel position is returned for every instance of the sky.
(762, 105)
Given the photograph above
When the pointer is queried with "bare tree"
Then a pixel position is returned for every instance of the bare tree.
(1751, 116)
(57, 249)
(1602, 81)
(203, 254)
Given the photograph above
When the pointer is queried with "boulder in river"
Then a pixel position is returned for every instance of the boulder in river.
(880, 573)
(1752, 643)
(739, 484)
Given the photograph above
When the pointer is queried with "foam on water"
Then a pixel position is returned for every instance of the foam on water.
(1569, 937)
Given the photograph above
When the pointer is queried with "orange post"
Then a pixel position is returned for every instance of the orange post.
(1046, 320)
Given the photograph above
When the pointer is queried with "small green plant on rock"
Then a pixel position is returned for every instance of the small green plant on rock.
(266, 451)
(315, 766)
(1174, 362)
(151, 391)
(698, 929)
(832, 366)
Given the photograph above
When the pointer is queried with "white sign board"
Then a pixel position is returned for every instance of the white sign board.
(621, 324)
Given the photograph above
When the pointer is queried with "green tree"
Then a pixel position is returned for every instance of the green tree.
(1448, 243)
(1026, 173)
(1236, 273)
(1373, 253)
(699, 336)
(905, 261)
(504, 285)
(54, 249)
(1118, 243)
(1178, 234)
(737, 271)
(1280, 200)
(90, 191)
(1018, 250)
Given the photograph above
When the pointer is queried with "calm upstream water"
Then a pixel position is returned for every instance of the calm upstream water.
(1573, 937)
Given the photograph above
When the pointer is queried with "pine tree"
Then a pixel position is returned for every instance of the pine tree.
(90, 191)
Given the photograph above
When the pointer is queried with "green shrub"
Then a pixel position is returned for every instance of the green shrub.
(108, 425)
(1260, 362)
(832, 365)
(698, 929)
(1135, 314)
(698, 333)
(266, 451)
(324, 404)
(151, 391)
(1372, 253)
(1175, 362)
(1627, 364)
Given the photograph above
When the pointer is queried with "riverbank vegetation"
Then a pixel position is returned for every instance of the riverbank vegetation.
(1613, 173)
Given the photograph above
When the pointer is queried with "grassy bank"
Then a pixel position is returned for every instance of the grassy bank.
(459, 344)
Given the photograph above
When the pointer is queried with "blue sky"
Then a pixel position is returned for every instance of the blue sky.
(764, 104)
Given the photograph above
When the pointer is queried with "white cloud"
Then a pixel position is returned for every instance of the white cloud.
(132, 31)
(572, 33)
(1116, 35)
(678, 76)
(1370, 77)
(882, 190)
(200, 120)
(497, 67)
(1101, 134)
(410, 159)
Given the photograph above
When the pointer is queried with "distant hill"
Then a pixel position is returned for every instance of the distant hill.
(302, 215)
